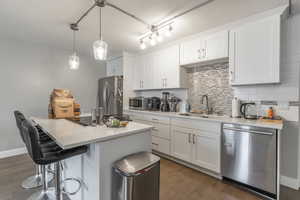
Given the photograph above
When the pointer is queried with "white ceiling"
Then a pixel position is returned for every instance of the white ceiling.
(47, 22)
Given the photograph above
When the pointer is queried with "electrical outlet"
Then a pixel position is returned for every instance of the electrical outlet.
(283, 105)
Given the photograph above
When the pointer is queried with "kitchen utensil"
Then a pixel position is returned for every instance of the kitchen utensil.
(164, 106)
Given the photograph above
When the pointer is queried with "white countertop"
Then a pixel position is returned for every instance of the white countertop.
(222, 119)
(68, 134)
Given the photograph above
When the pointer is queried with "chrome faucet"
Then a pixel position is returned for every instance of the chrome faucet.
(207, 105)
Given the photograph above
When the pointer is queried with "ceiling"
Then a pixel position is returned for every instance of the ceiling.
(47, 22)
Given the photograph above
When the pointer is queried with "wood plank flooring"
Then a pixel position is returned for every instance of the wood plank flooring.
(177, 183)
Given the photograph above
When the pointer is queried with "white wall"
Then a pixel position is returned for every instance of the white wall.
(29, 72)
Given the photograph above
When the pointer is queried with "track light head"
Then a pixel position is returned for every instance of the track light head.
(142, 45)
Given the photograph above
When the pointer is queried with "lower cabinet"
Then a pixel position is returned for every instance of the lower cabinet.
(181, 143)
(161, 145)
(206, 150)
(196, 147)
(193, 141)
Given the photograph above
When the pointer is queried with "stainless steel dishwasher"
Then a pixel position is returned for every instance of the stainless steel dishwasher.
(249, 157)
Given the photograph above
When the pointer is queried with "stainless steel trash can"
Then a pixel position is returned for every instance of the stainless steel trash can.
(136, 177)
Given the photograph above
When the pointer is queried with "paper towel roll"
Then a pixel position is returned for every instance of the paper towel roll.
(236, 107)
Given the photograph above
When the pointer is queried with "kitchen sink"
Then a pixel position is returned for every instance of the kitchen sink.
(201, 115)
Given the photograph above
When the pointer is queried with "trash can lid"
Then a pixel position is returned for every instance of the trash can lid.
(133, 163)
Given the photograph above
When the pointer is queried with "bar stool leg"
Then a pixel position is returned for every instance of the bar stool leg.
(35, 180)
(45, 193)
(58, 189)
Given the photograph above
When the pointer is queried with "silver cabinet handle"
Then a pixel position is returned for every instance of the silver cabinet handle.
(155, 144)
(199, 54)
(166, 82)
(155, 129)
(248, 131)
(194, 137)
(190, 138)
(204, 53)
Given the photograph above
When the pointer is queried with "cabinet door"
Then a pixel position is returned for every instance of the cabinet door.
(255, 52)
(171, 67)
(118, 71)
(161, 145)
(190, 51)
(138, 73)
(147, 74)
(109, 68)
(216, 46)
(181, 146)
(206, 150)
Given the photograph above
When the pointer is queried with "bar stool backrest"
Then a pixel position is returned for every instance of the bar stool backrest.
(32, 141)
(19, 120)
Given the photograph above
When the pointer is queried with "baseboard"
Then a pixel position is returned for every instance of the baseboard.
(289, 182)
(12, 152)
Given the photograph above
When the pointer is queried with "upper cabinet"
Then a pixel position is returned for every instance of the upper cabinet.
(210, 48)
(255, 52)
(159, 70)
(114, 67)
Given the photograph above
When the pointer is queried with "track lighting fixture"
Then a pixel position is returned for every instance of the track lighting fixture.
(152, 40)
(159, 37)
(142, 45)
(99, 46)
(154, 34)
(74, 60)
(169, 31)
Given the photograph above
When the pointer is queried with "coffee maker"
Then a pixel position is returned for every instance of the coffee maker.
(164, 104)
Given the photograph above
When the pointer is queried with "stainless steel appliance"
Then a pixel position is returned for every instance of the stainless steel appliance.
(173, 102)
(154, 104)
(139, 103)
(249, 111)
(136, 177)
(110, 96)
(249, 157)
(164, 104)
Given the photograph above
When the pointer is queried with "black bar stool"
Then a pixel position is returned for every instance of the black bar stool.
(33, 181)
(45, 154)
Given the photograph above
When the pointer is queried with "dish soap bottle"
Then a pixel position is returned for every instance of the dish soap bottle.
(270, 113)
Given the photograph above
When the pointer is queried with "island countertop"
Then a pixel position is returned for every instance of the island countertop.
(68, 134)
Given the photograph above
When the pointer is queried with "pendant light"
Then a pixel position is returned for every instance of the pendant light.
(99, 46)
(74, 61)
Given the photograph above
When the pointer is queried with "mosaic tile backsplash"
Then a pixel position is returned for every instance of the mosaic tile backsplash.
(212, 80)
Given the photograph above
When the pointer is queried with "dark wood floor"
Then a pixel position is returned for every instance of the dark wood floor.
(177, 183)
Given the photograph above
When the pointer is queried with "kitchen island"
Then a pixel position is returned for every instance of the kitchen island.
(106, 145)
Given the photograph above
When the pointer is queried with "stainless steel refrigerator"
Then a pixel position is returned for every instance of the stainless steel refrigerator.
(110, 95)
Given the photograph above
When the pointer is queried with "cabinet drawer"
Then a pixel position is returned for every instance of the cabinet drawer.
(197, 124)
(161, 145)
(161, 130)
(160, 119)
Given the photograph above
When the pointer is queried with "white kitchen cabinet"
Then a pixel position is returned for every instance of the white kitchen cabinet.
(181, 143)
(254, 55)
(161, 145)
(209, 48)
(114, 67)
(216, 46)
(159, 70)
(206, 150)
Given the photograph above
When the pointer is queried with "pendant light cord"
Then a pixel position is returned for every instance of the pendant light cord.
(74, 42)
(100, 14)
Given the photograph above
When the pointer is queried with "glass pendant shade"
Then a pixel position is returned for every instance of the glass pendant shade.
(100, 50)
(74, 62)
